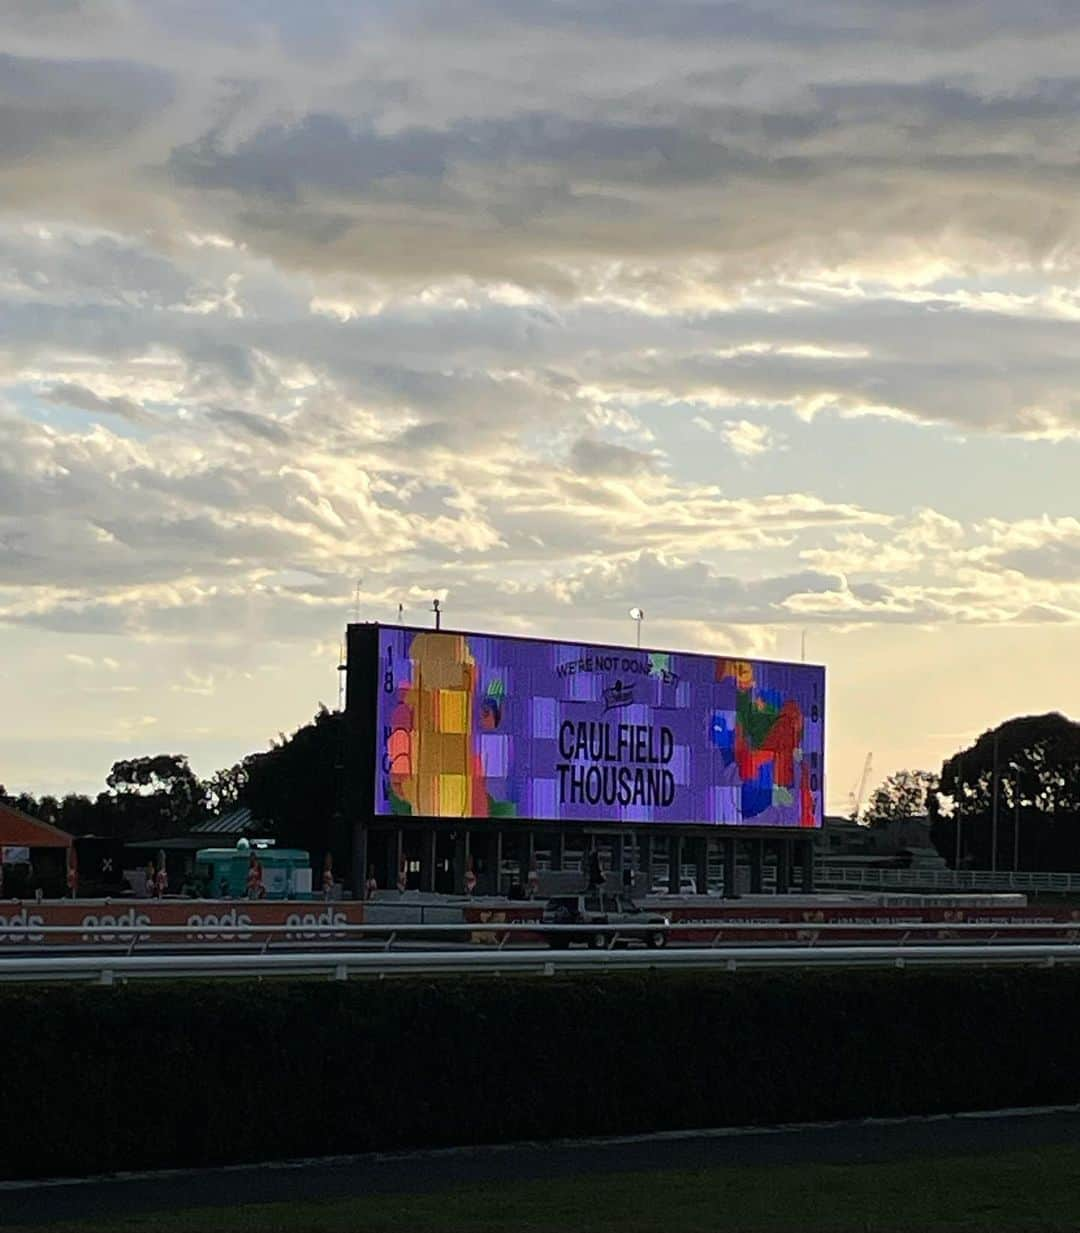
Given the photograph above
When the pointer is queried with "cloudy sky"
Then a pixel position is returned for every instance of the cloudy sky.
(761, 315)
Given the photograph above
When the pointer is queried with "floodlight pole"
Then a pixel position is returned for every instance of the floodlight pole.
(637, 615)
(959, 809)
(995, 780)
(1016, 820)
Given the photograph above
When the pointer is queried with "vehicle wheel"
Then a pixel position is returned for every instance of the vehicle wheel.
(598, 941)
(657, 940)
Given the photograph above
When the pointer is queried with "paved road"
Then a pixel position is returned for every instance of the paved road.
(42, 1204)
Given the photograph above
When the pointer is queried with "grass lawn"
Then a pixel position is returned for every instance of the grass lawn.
(1037, 1191)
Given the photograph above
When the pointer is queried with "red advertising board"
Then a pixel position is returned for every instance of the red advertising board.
(222, 922)
(87, 922)
(716, 922)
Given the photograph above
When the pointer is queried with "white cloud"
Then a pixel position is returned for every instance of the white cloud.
(748, 439)
(284, 303)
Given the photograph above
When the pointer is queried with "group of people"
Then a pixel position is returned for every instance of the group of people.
(157, 880)
(196, 886)
(529, 890)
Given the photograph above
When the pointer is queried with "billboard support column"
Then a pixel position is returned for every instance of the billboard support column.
(731, 889)
(497, 870)
(460, 862)
(675, 848)
(427, 860)
(808, 866)
(783, 867)
(396, 851)
(645, 860)
(557, 846)
(701, 865)
(757, 865)
(359, 860)
(617, 855)
(526, 856)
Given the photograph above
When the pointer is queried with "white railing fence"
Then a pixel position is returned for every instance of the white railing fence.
(116, 969)
(946, 879)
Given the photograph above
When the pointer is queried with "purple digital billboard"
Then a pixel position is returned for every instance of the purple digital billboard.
(484, 726)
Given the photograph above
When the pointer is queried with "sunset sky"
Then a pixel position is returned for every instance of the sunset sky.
(762, 316)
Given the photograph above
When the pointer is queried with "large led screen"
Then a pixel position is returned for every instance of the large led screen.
(476, 726)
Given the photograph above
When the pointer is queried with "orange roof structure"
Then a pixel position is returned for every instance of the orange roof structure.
(20, 830)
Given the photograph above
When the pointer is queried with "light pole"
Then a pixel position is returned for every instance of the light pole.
(1016, 818)
(438, 613)
(995, 783)
(959, 809)
(637, 615)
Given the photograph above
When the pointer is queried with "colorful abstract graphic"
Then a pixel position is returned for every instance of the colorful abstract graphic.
(479, 726)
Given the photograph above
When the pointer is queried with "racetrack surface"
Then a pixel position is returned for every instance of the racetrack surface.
(42, 1203)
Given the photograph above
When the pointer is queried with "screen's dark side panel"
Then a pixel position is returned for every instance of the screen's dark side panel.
(362, 654)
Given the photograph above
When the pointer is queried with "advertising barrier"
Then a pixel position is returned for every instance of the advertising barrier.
(209, 922)
(716, 923)
(206, 921)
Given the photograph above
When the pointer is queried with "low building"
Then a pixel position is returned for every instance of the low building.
(903, 843)
(179, 851)
(33, 856)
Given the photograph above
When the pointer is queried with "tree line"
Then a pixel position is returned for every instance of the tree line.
(294, 790)
(1011, 798)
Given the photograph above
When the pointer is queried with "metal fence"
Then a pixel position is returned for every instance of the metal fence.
(712, 931)
(946, 879)
(105, 953)
(110, 970)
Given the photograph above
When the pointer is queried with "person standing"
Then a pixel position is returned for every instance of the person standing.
(372, 885)
(255, 887)
(596, 874)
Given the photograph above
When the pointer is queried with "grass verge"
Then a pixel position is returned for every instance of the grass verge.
(1037, 1191)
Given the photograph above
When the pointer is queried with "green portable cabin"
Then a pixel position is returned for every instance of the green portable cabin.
(286, 872)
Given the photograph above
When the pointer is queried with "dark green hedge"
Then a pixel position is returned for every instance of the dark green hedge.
(189, 1074)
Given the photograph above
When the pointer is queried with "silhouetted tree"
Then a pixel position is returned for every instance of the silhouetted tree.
(154, 797)
(1032, 765)
(22, 801)
(295, 787)
(901, 796)
(79, 815)
(225, 788)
